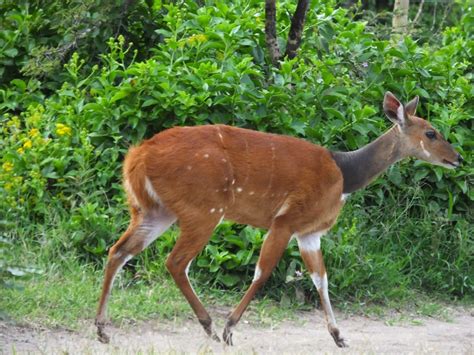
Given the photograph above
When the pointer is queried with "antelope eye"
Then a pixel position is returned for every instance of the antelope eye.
(431, 134)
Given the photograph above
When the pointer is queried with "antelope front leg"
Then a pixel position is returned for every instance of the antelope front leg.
(272, 250)
(310, 250)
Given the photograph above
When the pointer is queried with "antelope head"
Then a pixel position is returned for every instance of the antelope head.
(418, 137)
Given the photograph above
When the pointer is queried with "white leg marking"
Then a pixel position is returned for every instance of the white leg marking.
(324, 287)
(258, 273)
(116, 256)
(310, 242)
(151, 191)
(317, 281)
(187, 272)
(154, 226)
(428, 154)
(321, 284)
(187, 268)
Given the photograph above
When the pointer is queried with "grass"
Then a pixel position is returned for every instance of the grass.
(375, 266)
(64, 295)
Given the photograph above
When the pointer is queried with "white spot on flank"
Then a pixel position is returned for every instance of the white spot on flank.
(251, 192)
(212, 210)
(220, 135)
(224, 160)
(239, 189)
(258, 273)
(206, 156)
(428, 154)
(150, 190)
(221, 210)
(310, 242)
(189, 167)
(233, 182)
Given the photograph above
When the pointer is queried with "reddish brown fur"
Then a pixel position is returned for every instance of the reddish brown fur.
(199, 175)
(252, 161)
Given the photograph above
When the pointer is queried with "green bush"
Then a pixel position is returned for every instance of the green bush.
(413, 227)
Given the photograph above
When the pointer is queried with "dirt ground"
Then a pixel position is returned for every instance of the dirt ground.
(306, 335)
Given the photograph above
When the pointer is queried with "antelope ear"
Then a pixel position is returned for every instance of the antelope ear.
(410, 107)
(394, 109)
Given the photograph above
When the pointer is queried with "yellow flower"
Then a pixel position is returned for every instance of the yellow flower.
(28, 144)
(20, 150)
(14, 122)
(33, 132)
(63, 130)
(35, 118)
(7, 166)
(196, 39)
(8, 186)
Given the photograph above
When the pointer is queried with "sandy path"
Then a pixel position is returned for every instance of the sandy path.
(306, 335)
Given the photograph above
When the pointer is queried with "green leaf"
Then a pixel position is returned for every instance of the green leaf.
(12, 52)
(121, 94)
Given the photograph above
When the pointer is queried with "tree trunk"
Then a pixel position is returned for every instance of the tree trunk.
(270, 31)
(400, 16)
(296, 29)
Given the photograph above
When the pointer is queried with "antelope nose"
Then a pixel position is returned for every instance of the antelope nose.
(460, 158)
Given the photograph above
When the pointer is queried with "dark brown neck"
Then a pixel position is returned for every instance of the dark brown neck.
(362, 166)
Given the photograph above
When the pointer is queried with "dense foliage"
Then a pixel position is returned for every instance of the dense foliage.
(65, 129)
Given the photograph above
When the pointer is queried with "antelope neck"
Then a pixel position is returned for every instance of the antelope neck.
(361, 166)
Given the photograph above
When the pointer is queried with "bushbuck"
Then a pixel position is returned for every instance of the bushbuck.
(197, 176)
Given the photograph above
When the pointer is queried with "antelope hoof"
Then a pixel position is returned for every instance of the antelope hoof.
(101, 336)
(207, 325)
(340, 341)
(227, 336)
(215, 337)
